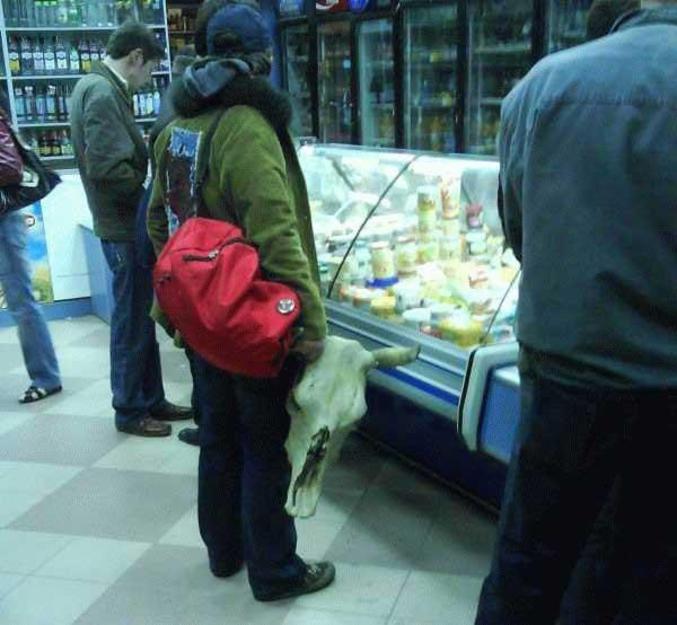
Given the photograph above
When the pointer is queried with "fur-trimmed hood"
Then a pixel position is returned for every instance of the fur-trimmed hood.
(226, 83)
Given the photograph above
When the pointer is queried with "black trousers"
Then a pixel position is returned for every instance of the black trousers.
(573, 445)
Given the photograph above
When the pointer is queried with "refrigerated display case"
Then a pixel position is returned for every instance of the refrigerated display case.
(430, 41)
(296, 76)
(566, 23)
(410, 249)
(376, 69)
(499, 55)
(334, 82)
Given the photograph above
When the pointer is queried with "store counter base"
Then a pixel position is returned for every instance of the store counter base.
(432, 442)
(100, 276)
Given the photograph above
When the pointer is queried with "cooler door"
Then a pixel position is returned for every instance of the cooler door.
(430, 71)
(377, 83)
(334, 69)
(566, 23)
(499, 56)
(296, 47)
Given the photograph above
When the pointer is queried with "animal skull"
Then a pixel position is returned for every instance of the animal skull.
(324, 406)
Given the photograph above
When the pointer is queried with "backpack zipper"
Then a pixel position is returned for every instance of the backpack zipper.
(207, 258)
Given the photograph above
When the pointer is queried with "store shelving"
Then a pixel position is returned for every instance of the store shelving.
(60, 50)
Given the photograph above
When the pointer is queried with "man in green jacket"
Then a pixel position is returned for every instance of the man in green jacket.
(113, 163)
(254, 180)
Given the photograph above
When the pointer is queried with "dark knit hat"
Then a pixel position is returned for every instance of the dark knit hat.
(237, 29)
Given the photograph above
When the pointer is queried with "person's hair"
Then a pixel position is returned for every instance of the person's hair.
(206, 12)
(604, 13)
(131, 36)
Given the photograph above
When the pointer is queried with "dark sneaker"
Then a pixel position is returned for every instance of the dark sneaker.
(318, 575)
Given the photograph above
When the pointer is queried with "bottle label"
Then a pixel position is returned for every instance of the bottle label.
(61, 61)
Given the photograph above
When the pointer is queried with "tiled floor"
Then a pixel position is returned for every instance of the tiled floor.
(98, 528)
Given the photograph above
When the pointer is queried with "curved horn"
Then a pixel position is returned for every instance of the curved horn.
(395, 356)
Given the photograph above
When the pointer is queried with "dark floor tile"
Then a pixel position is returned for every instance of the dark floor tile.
(113, 504)
(173, 586)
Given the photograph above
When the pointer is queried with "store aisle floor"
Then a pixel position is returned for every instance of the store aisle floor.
(99, 528)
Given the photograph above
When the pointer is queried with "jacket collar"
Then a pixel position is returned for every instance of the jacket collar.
(646, 17)
(239, 89)
(103, 70)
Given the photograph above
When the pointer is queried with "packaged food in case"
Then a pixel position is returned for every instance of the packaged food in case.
(383, 307)
(382, 261)
(407, 295)
(461, 329)
(427, 211)
(416, 318)
(406, 256)
(429, 248)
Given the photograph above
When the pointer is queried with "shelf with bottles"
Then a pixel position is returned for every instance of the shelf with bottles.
(147, 100)
(181, 20)
(37, 105)
(35, 57)
(70, 13)
(50, 144)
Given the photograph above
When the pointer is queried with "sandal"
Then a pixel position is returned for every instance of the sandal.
(35, 393)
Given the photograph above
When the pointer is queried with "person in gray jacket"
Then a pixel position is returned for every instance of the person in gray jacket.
(589, 176)
(113, 162)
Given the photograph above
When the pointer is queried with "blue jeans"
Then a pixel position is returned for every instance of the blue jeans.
(574, 446)
(135, 372)
(244, 475)
(15, 278)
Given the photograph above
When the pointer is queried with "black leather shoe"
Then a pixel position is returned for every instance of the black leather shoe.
(146, 426)
(190, 436)
(166, 411)
(317, 576)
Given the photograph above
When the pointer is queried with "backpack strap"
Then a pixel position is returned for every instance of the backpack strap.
(199, 207)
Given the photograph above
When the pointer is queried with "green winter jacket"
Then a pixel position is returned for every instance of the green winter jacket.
(254, 180)
(110, 152)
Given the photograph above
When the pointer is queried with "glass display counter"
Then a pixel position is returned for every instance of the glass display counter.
(410, 249)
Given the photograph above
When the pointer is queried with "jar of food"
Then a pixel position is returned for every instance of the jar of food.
(406, 255)
(451, 226)
(476, 242)
(428, 248)
(382, 261)
(450, 247)
(427, 212)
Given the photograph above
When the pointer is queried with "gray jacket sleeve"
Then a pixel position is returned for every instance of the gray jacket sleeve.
(109, 152)
(512, 145)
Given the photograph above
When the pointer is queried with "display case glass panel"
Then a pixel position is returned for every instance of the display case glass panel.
(430, 257)
(567, 21)
(296, 46)
(430, 74)
(500, 55)
(377, 83)
(334, 84)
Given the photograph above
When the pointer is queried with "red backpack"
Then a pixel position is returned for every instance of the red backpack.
(209, 283)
